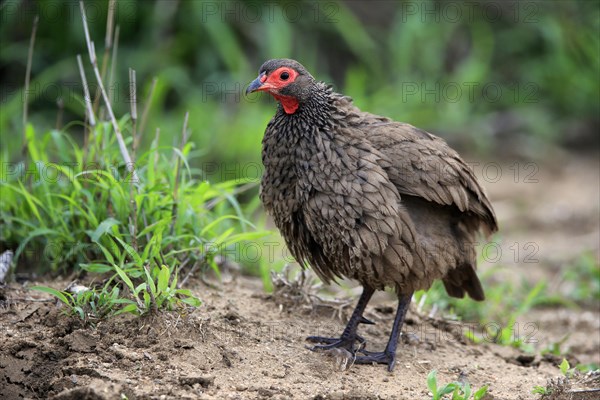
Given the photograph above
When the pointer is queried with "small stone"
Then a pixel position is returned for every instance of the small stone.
(204, 381)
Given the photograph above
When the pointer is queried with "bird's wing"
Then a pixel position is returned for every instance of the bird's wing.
(423, 165)
(354, 211)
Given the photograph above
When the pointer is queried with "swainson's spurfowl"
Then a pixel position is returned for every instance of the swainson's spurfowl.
(361, 196)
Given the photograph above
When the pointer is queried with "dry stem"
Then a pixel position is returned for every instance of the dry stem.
(92, 53)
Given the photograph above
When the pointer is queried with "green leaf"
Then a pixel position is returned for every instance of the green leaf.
(49, 233)
(79, 311)
(31, 201)
(478, 395)
(132, 253)
(449, 388)
(163, 279)
(131, 308)
(31, 143)
(217, 222)
(456, 395)
(467, 391)
(123, 301)
(158, 225)
(244, 236)
(564, 366)
(539, 390)
(470, 334)
(107, 254)
(432, 383)
(216, 244)
(174, 282)
(56, 293)
(124, 277)
(192, 301)
(104, 227)
(96, 268)
(150, 281)
(139, 288)
(147, 300)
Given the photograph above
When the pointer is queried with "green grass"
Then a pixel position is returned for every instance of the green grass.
(581, 280)
(62, 216)
(96, 208)
(497, 316)
(561, 384)
(457, 390)
(104, 208)
(86, 213)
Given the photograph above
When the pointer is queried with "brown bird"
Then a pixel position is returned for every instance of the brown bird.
(361, 196)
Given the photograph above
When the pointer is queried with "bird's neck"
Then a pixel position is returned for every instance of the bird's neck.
(312, 111)
(289, 103)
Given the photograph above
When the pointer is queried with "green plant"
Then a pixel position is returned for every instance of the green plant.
(544, 391)
(90, 220)
(587, 367)
(565, 369)
(155, 292)
(554, 348)
(558, 385)
(497, 315)
(100, 208)
(581, 280)
(563, 385)
(89, 305)
(459, 390)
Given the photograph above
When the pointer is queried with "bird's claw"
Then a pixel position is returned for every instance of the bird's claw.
(382, 357)
(327, 343)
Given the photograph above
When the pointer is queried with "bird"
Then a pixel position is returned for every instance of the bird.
(360, 196)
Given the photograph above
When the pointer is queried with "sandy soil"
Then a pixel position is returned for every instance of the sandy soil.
(238, 345)
(244, 344)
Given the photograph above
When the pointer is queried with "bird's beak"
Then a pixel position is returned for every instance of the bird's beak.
(256, 84)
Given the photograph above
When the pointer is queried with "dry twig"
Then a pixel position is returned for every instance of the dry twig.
(93, 60)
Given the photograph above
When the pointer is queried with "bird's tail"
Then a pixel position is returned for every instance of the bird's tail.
(464, 279)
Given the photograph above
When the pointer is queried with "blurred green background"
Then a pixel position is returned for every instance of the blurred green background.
(509, 78)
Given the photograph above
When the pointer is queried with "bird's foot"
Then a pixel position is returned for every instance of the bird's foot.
(327, 343)
(346, 341)
(383, 357)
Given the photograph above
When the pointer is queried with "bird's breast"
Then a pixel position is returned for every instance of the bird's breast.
(280, 183)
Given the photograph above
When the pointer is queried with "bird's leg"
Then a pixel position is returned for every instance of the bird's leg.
(349, 335)
(388, 356)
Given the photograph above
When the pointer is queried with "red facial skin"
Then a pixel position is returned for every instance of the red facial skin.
(273, 82)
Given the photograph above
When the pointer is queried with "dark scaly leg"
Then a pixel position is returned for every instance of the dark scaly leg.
(349, 336)
(388, 356)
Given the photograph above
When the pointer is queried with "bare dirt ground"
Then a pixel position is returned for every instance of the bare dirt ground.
(244, 344)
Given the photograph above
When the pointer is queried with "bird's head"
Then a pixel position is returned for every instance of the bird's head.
(286, 80)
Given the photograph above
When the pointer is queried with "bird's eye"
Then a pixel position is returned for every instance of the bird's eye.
(284, 76)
